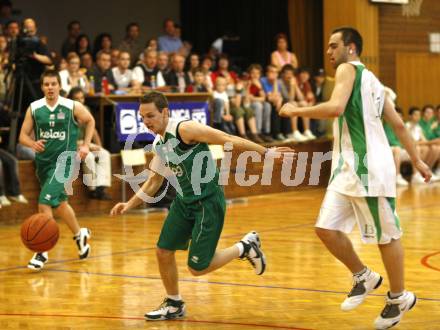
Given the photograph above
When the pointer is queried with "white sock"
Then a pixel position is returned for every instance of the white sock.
(240, 247)
(362, 272)
(176, 297)
(395, 295)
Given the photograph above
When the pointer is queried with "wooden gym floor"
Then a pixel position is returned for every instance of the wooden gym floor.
(301, 289)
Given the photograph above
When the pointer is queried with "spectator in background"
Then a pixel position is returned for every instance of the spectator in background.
(86, 62)
(5, 12)
(257, 97)
(125, 78)
(282, 56)
(223, 71)
(132, 42)
(437, 129)
(207, 68)
(303, 79)
(199, 82)
(429, 125)
(150, 45)
(272, 89)
(428, 122)
(322, 88)
(100, 70)
(243, 114)
(399, 154)
(82, 45)
(147, 72)
(428, 153)
(114, 57)
(193, 62)
(291, 93)
(73, 76)
(163, 61)
(9, 179)
(4, 57)
(102, 42)
(223, 119)
(177, 78)
(12, 30)
(97, 164)
(169, 42)
(73, 31)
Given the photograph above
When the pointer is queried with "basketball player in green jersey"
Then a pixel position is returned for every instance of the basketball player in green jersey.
(198, 213)
(50, 128)
(362, 187)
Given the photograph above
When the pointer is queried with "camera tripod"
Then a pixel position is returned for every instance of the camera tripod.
(19, 81)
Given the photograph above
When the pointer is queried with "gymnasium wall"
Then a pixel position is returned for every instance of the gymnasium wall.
(406, 64)
(98, 16)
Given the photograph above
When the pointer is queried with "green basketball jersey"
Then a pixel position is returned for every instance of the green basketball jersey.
(193, 165)
(57, 126)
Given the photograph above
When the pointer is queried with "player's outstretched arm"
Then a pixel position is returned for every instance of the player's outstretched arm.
(193, 132)
(392, 118)
(344, 80)
(27, 136)
(149, 188)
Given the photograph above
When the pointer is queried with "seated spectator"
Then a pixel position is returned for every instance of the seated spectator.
(282, 56)
(272, 88)
(114, 57)
(223, 71)
(86, 62)
(428, 153)
(400, 155)
(291, 93)
(82, 45)
(147, 72)
(303, 79)
(222, 116)
(9, 179)
(150, 45)
(97, 165)
(177, 78)
(257, 97)
(322, 88)
(169, 42)
(437, 129)
(103, 41)
(73, 31)
(428, 122)
(207, 68)
(163, 62)
(199, 84)
(429, 125)
(243, 114)
(102, 71)
(193, 64)
(73, 76)
(125, 78)
(132, 42)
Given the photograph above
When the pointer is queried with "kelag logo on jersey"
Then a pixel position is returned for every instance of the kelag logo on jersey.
(51, 134)
(128, 120)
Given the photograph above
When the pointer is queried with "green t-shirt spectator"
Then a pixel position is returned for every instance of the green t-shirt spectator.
(391, 136)
(427, 128)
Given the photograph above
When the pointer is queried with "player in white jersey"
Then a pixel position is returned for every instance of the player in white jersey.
(362, 186)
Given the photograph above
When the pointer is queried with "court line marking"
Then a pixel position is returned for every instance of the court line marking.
(425, 259)
(190, 280)
(143, 319)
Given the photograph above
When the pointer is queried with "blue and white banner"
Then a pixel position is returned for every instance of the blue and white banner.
(128, 120)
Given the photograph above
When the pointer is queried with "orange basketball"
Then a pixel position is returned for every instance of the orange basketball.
(39, 232)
